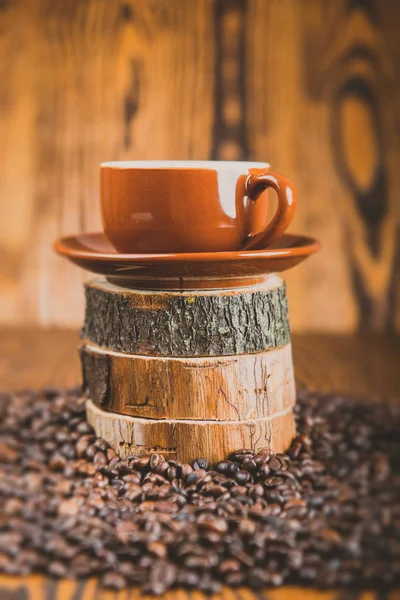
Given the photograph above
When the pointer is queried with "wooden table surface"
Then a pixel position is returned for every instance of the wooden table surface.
(359, 365)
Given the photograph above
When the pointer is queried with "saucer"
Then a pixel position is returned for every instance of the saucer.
(201, 270)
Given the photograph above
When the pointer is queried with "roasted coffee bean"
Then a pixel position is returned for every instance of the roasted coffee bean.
(62, 436)
(108, 472)
(273, 482)
(249, 464)
(331, 536)
(57, 462)
(110, 454)
(132, 491)
(228, 467)
(242, 477)
(68, 451)
(159, 549)
(99, 460)
(235, 579)
(84, 427)
(263, 471)
(263, 456)
(216, 525)
(256, 491)
(10, 541)
(123, 467)
(69, 508)
(188, 578)
(171, 473)
(13, 506)
(247, 527)
(114, 580)
(197, 562)
(90, 452)
(186, 470)
(82, 444)
(274, 463)
(195, 476)
(58, 568)
(200, 463)
(162, 468)
(162, 577)
(132, 477)
(155, 460)
(141, 463)
(101, 445)
(223, 467)
(325, 513)
(213, 490)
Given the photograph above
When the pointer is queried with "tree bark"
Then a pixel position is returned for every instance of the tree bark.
(217, 323)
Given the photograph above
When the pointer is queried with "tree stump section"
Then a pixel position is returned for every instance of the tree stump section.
(188, 374)
(229, 388)
(186, 440)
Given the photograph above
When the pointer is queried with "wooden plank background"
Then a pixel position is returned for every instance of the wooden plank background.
(37, 587)
(311, 86)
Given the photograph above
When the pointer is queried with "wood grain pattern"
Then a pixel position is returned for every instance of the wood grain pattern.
(325, 141)
(39, 588)
(188, 439)
(229, 131)
(88, 81)
(356, 75)
(311, 87)
(234, 388)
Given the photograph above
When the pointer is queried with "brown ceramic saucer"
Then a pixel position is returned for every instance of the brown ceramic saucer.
(202, 270)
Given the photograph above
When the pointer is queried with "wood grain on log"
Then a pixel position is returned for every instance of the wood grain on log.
(245, 386)
(187, 324)
(189, 439)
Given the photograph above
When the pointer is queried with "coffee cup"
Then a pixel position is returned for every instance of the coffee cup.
(157, 207)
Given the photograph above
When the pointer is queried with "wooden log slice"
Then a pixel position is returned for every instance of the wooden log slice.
(241, 387)
(197, 323)
(186, 440)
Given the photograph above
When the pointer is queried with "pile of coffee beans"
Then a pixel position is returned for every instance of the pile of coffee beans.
(326, 513)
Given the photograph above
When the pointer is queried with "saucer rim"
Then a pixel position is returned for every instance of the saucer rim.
(309, 246)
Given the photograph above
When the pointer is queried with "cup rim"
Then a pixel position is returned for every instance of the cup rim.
(183, 164)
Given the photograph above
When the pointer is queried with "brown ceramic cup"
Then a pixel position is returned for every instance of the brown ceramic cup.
(189, 206)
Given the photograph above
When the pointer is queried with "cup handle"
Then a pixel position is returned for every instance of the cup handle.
(255, 185)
